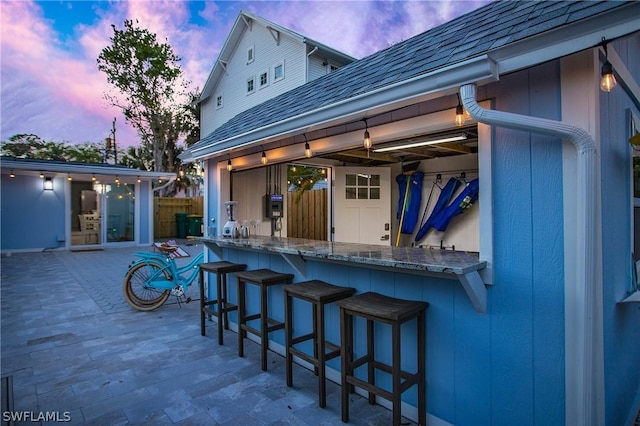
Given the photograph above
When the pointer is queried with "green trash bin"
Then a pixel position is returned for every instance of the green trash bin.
(194, 225)
(181, 225)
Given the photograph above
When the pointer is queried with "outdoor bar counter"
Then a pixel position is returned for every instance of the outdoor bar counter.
(459, 266)
(448, 280)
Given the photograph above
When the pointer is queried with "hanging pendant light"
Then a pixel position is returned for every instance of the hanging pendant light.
(608, 80)
(307, 148)
(264, 160)
(229, 165)
(459, 113)
(367, 137)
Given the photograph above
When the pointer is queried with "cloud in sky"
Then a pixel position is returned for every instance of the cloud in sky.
(50, 84)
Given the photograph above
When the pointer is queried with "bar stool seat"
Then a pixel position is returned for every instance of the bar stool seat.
(389, 310)
(221, 303)
(319, 294)
(264, 278)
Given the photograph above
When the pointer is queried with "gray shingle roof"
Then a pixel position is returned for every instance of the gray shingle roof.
(474, 34)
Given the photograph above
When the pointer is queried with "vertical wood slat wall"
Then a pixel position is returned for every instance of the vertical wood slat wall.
(165, 209)
(307, 218)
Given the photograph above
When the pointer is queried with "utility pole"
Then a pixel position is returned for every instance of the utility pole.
(111, 144)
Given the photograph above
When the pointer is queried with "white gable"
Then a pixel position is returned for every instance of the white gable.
(260, 60)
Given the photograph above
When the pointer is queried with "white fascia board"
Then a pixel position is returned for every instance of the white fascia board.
(563, 41)
(478, 70)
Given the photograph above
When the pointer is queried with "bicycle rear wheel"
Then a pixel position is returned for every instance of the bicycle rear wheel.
(137, 293)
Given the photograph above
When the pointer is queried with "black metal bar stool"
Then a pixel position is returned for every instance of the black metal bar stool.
(377, 307)
(221, 269)
(263, 278)
(319, 294)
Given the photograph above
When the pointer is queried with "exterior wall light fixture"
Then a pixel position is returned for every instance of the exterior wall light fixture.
(47, 184)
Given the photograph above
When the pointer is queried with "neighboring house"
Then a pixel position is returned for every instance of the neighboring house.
(67, 205)
(553, 343)
(260, 60)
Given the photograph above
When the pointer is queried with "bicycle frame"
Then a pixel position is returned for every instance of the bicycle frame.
(158, 279)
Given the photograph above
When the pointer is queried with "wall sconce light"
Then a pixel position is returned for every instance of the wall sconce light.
(264, 160)
(459, 113)
(367, 137)
(229, 165)
(47, 184)
(608, 80)
(307, 148)
(11, 174)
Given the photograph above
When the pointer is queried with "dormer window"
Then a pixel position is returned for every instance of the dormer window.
(250, 54)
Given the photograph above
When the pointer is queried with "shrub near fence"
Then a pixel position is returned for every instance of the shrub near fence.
(308, 217)
(165, 209)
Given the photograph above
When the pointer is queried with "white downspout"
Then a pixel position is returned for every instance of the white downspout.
(583, 362)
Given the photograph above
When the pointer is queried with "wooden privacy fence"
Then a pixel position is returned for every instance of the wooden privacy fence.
(308, 217)
(165, 209)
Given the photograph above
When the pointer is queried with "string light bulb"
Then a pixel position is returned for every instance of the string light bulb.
(69, 178)
(608, 80)
(459, 113)
(11, 174)
(229, 165)
(307, 148)
(367, 137)
(264, 160)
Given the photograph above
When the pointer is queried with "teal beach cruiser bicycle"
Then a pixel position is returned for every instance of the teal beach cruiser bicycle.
(151, 279)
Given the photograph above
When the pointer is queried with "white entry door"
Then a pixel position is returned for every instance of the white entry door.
(362, 205)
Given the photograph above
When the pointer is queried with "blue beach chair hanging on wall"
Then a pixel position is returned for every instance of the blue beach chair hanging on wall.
(410, 200)
(444, 211)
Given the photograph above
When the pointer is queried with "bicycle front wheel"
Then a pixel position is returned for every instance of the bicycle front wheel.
(136, 290)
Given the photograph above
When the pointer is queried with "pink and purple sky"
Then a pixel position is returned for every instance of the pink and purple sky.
(50, 85)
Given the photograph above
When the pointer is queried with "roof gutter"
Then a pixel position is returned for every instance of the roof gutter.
(480, 69)
(584, 388)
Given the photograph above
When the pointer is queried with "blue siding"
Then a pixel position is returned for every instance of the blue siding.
(621, 321)
(527, 300)
(31, 217)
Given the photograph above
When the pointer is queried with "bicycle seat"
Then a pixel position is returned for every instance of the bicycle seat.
(166, 248)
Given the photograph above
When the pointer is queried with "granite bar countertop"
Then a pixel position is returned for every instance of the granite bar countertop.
(413, 258)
